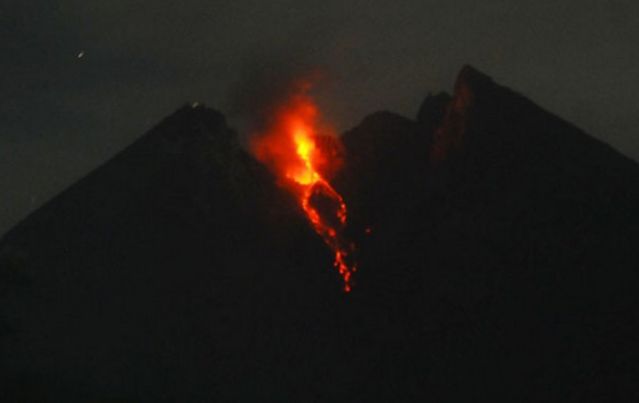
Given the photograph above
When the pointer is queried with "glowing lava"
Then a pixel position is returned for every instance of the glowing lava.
(289, 147)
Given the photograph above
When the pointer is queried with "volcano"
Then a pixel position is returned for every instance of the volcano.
(496, 246)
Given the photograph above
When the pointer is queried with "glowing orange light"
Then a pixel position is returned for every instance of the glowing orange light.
(289, 148)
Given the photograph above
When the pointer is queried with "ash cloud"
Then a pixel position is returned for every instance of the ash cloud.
(265, 82)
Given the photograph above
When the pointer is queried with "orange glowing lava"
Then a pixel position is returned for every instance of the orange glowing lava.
(289, 147)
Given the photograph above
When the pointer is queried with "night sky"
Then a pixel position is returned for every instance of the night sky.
(82, 79)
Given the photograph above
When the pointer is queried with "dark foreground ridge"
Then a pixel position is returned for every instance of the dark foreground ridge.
(501, 265)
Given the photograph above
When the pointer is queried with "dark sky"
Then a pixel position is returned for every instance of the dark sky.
(61, 115)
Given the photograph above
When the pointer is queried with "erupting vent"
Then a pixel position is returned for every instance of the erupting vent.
(289, 146)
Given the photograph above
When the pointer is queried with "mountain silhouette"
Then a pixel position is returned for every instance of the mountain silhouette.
(496, 246)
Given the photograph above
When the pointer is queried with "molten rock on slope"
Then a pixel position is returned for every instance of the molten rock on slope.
(289, 147)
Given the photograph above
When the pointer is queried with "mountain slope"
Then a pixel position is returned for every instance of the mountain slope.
(517, 237)
(148, 267)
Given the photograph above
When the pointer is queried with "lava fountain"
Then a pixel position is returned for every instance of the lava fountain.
(290, 147)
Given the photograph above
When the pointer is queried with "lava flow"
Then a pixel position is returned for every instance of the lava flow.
(290, 148)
